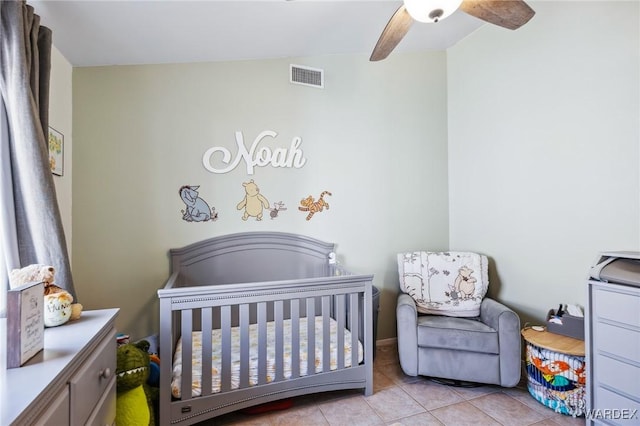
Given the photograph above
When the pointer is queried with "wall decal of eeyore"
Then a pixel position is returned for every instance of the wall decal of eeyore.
(196, 209)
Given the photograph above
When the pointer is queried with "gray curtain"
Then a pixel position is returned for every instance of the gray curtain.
(30, 222)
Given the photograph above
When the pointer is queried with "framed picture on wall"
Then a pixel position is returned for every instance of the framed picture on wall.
(56, 152)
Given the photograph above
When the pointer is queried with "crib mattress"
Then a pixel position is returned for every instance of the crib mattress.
(216, 338)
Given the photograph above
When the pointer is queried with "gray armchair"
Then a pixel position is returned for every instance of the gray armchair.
(484, 349)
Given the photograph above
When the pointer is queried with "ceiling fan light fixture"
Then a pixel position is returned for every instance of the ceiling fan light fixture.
(431, 11)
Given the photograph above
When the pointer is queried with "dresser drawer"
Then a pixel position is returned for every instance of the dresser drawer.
(626, 410)
(92, 380)
(58, 411)
(618, 341)
(618, 375)
(105, 413)
(621, 307)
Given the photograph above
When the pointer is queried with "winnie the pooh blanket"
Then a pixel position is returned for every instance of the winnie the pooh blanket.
(444, 283)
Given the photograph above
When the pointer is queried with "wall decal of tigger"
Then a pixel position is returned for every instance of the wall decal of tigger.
(309, 205)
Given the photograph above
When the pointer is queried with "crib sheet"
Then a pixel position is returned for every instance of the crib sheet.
(216, 338)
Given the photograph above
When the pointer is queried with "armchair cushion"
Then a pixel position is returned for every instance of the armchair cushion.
(436, 331)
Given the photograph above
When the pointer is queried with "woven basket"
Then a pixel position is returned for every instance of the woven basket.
(556, 380)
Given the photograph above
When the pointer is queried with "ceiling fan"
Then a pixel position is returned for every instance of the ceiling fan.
(511, 14)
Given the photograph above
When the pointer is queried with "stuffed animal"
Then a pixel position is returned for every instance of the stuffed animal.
(58, 303)
(134, 404)
(32, 273)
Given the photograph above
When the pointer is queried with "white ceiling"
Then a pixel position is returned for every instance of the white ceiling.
(112, 32)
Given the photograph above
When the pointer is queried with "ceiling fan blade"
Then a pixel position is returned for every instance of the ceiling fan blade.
(511, 14)
(396, 29)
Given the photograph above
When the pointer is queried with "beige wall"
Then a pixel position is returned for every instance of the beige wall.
(60, 118)
(543, 154)
(544, 148)
(375, 137)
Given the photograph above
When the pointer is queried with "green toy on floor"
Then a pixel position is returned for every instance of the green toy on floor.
(134, 402)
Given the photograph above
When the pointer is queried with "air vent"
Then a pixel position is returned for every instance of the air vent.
(306, 76)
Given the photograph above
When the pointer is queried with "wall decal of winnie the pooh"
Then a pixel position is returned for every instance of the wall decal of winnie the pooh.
(254, 202)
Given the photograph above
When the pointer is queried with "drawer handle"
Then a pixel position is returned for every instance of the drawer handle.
(106, 373)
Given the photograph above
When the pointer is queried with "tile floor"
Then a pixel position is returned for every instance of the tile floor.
(410, 401)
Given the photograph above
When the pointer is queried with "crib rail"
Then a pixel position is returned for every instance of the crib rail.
(343, 299)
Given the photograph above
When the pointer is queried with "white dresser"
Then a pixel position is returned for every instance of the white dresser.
(70, 382)
(612, 339)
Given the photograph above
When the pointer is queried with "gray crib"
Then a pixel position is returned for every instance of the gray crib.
(270, 314)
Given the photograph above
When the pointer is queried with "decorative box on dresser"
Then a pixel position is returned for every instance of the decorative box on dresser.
(612, 339)
(70, 382)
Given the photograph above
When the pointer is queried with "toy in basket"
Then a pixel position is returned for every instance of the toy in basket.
(556, 380)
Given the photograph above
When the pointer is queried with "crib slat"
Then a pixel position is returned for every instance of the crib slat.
(187, 343)
(340, 320)
(295, 338)
(244, 345)
(262, 343)
(278, 307)
(311, 336)
(326, 334)
(225, 349)
(369, 339)
(354, 326)
(166, 346)
(206, 320)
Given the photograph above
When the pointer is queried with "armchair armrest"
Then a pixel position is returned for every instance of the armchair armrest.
(407, 323)
(507, 323)
(492, 311)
